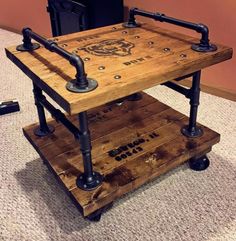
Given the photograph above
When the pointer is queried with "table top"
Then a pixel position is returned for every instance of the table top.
(122, 60)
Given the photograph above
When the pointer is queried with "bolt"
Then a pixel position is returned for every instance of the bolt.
(117, 76)
(166, 49)
(183, 55)
(101, 67)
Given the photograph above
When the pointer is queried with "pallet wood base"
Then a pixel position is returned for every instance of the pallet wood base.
(146, 133)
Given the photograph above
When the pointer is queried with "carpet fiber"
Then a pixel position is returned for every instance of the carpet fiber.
(181, 205)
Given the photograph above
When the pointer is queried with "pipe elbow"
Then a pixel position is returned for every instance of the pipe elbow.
(132, 10)
(76, 61)
(26, 31)
(202, 28)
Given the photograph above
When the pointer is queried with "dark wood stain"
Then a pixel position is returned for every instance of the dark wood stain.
(120, 175)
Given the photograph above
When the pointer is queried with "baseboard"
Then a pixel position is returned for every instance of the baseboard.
(216, 90)
(10, 29)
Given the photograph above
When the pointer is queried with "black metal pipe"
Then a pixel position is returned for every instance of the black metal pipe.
(59, 116)
(43, 129)
(85, 145)
(52, 46)
(178, 88)
(192, 130)
(204, 45)
(194, 101)
(89, 179)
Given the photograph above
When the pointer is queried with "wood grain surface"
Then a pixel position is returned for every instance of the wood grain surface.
(122, 60)
(112, 126)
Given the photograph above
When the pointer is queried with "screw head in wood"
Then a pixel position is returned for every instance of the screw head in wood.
(101, 67)
(183, 55)
(117, 77)
(166, 49)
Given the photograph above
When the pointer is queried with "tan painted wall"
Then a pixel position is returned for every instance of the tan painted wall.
(217, 14)
(16, 14)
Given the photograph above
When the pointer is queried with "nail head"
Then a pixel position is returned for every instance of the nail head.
(117, 76)
(101, 67)
(166, 49)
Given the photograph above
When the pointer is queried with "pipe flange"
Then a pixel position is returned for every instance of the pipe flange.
(204, 48)
(197, 132)
(83, 184)
(135, 97)
(73, 86)
(39, 132)
(22, 48)
(131, 25)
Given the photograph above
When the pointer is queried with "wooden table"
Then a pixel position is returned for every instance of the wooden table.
(134, 139)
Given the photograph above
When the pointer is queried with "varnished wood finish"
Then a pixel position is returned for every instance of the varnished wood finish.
(112, 126)
(151, 64)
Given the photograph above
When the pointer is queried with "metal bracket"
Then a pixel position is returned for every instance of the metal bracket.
(203, 46)
(81, 83)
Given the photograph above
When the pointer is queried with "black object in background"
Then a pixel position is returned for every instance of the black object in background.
(10, 106)
(69, 16)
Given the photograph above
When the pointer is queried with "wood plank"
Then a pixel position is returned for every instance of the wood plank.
(133, 174)
(156, 155)
(97, 117)
(51, 72)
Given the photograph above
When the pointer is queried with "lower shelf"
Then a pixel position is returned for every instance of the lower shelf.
(147, 134)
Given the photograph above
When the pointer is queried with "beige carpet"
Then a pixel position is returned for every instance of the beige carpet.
(182, 205)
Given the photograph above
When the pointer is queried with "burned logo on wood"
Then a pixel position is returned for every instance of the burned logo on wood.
(109, 47)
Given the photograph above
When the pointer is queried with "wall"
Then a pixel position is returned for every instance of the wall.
(15, 15)
(218, 15)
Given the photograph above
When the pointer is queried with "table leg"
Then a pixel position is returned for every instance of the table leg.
(43, 129)
(88, 180)
(192, 130)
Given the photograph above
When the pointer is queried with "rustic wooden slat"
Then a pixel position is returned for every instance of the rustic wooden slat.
(133, 174)
(51, 72)
(97, 117)
(158, 155)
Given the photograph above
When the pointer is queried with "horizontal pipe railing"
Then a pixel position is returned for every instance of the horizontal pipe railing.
(81, 83)
(59, 116)
(203, 46)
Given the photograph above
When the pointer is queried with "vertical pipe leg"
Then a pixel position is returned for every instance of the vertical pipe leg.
(88, 180)
(43, 129)
(192, 130)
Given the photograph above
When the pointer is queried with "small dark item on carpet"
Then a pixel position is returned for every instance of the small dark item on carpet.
(9, 106)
